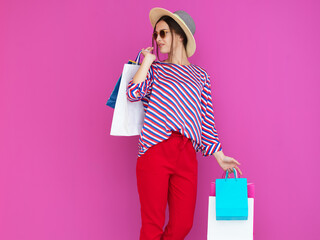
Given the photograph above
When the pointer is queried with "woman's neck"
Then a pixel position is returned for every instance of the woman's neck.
(179, 56)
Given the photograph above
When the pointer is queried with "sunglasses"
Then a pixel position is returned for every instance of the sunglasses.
(163, 34)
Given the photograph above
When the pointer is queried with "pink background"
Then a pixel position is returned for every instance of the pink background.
(62, 176)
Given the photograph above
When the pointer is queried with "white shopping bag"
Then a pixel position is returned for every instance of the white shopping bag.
(230, 229)
(128, 116)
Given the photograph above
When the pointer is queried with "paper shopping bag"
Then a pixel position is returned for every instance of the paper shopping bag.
(230, 229)
(231, 198)
(128, 116)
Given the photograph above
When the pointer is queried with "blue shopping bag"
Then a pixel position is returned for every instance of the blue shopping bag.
(231, 198)
(113, 97)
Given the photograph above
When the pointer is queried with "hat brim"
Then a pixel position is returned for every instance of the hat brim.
(156, 13)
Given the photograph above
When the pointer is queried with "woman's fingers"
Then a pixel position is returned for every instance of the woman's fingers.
(236, 161)
(231, 161)
(230, 170)
(236, 167)
(147, 49)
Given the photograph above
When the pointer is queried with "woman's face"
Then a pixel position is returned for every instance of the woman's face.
(164, 44)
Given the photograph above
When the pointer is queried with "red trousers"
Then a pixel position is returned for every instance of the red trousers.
(167, 173)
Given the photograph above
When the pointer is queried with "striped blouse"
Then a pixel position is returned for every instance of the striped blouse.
(176, 98)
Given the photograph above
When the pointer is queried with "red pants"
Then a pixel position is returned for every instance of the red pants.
(167, 172)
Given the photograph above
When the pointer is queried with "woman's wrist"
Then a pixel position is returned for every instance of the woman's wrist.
(218, 155)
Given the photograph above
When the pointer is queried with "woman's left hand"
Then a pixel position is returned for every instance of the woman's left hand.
(228, 163)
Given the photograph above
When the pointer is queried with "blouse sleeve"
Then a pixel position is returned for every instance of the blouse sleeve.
(136, 91)
(210, 142)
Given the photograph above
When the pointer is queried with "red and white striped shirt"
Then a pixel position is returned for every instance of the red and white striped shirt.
(176, 98)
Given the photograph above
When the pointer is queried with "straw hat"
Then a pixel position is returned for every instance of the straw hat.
(183, 19)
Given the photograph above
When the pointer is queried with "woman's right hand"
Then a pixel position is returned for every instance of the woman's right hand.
(228, 163)
(147, 53)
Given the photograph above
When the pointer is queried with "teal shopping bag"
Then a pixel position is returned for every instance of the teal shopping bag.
(231, 198)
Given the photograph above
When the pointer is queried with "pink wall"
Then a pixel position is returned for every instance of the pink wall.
(62, 176)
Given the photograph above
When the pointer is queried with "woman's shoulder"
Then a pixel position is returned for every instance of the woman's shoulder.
(197, 67)
(202, 69)
(163, 63)
(203, 73)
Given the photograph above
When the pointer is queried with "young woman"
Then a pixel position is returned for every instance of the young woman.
(179, 122)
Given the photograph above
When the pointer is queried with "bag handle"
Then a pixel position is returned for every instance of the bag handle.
(138, 58)
(234, 172)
